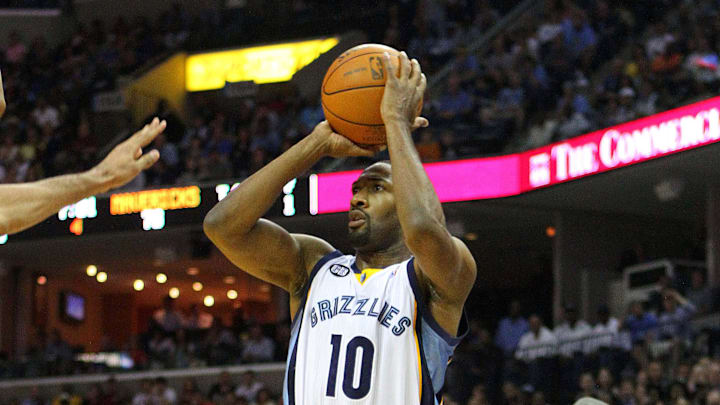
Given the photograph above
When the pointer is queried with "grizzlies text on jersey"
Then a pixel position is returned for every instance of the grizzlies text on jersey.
(365, 337)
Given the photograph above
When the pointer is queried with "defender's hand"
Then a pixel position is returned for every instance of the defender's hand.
(404, 89)
(337, 146)
(126, 160)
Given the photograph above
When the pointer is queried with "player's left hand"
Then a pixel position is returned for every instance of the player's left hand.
(404, 90)
(127, 160)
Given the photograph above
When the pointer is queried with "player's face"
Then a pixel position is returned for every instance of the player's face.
(372, 220)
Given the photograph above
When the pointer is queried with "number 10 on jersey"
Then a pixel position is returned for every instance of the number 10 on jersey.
(348, 375)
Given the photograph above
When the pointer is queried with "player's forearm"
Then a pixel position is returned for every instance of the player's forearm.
(417, 203)
(241, 209)
(24, 205)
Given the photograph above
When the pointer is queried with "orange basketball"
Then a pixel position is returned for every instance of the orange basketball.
(352, 91)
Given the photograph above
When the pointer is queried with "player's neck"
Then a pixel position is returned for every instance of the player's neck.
(379, 259)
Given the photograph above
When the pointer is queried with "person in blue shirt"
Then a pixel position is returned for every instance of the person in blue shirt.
(639, 322)
(511, 329)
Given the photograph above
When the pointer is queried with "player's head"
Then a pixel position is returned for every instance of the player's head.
(373, 223)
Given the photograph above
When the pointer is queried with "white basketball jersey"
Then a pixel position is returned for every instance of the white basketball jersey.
(365, 337)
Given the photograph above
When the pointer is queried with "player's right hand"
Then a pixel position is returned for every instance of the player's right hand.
(337, 146)
(127, 160)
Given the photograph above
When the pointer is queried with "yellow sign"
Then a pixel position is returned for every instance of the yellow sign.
(167, 199)
(261, 64)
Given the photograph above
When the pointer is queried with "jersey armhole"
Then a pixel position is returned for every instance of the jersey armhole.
(306, 288)
(425, 314)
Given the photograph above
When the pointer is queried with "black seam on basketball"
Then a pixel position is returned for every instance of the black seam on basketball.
(353, 88)
(351, 122)
(329, 74)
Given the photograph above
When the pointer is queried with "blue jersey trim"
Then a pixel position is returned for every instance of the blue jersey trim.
(290, 371)
(427, 315)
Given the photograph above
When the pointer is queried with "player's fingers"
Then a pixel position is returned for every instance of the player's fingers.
(138, 153)
(406, 67)
(389, 68)
(148, 159)
(416, 71)
(149, 132)
(357, 150)
(422, 85)
(420, 122)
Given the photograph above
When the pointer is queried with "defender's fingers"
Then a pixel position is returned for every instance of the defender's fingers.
(420, 122)
(149, 132)
(148, 159)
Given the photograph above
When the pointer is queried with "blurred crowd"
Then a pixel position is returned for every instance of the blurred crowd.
(247, 390)
(174, 339)
(664, 351)
(566, 68)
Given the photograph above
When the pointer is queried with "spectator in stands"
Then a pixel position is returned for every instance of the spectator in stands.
(67, 396)
(656, 381)
(163, 392)
(146, 395)
(111, 393)
(428, 147)
(639, 322)
(220, 389)
(456, 104)
(264, 397)
(655, 298)
(586, 385)
(58, 353)
(198, 319)
(190, 394)
(161, 350)
(249, 386)
(538, 342)
(168, 318)
(34, 398)
(570, 332)
(676, 314)
(700, 294)
(258, 348)
(604, 333)
(625, 394)
(511, 329)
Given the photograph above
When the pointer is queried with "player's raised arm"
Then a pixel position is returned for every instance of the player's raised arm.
(443, 260)
(261, 247)
(24, 205)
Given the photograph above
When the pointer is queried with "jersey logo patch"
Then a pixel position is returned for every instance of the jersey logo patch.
(339, 270)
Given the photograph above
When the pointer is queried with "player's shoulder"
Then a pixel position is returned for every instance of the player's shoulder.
(313, 249)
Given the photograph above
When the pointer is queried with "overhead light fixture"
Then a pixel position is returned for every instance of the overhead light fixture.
(91, 270)
(138, 285)
(41, 280)
(232, 294)
(161, 278)
(471, 236)
(101, 277)
(193, 271)
(209, 300)
(550, 231)
(174, 292)
(197, 286)
(229, 280)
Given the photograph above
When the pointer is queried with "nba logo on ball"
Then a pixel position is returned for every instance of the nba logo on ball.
(339, 270)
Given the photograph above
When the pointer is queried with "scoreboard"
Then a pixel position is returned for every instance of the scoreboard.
(152, 210)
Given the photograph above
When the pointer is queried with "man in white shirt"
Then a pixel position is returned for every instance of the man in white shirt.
(538, 342)
(604, 333)
(571, 332)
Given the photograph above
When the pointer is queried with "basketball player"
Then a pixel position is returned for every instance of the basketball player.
(377, 327)
(24, 205)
